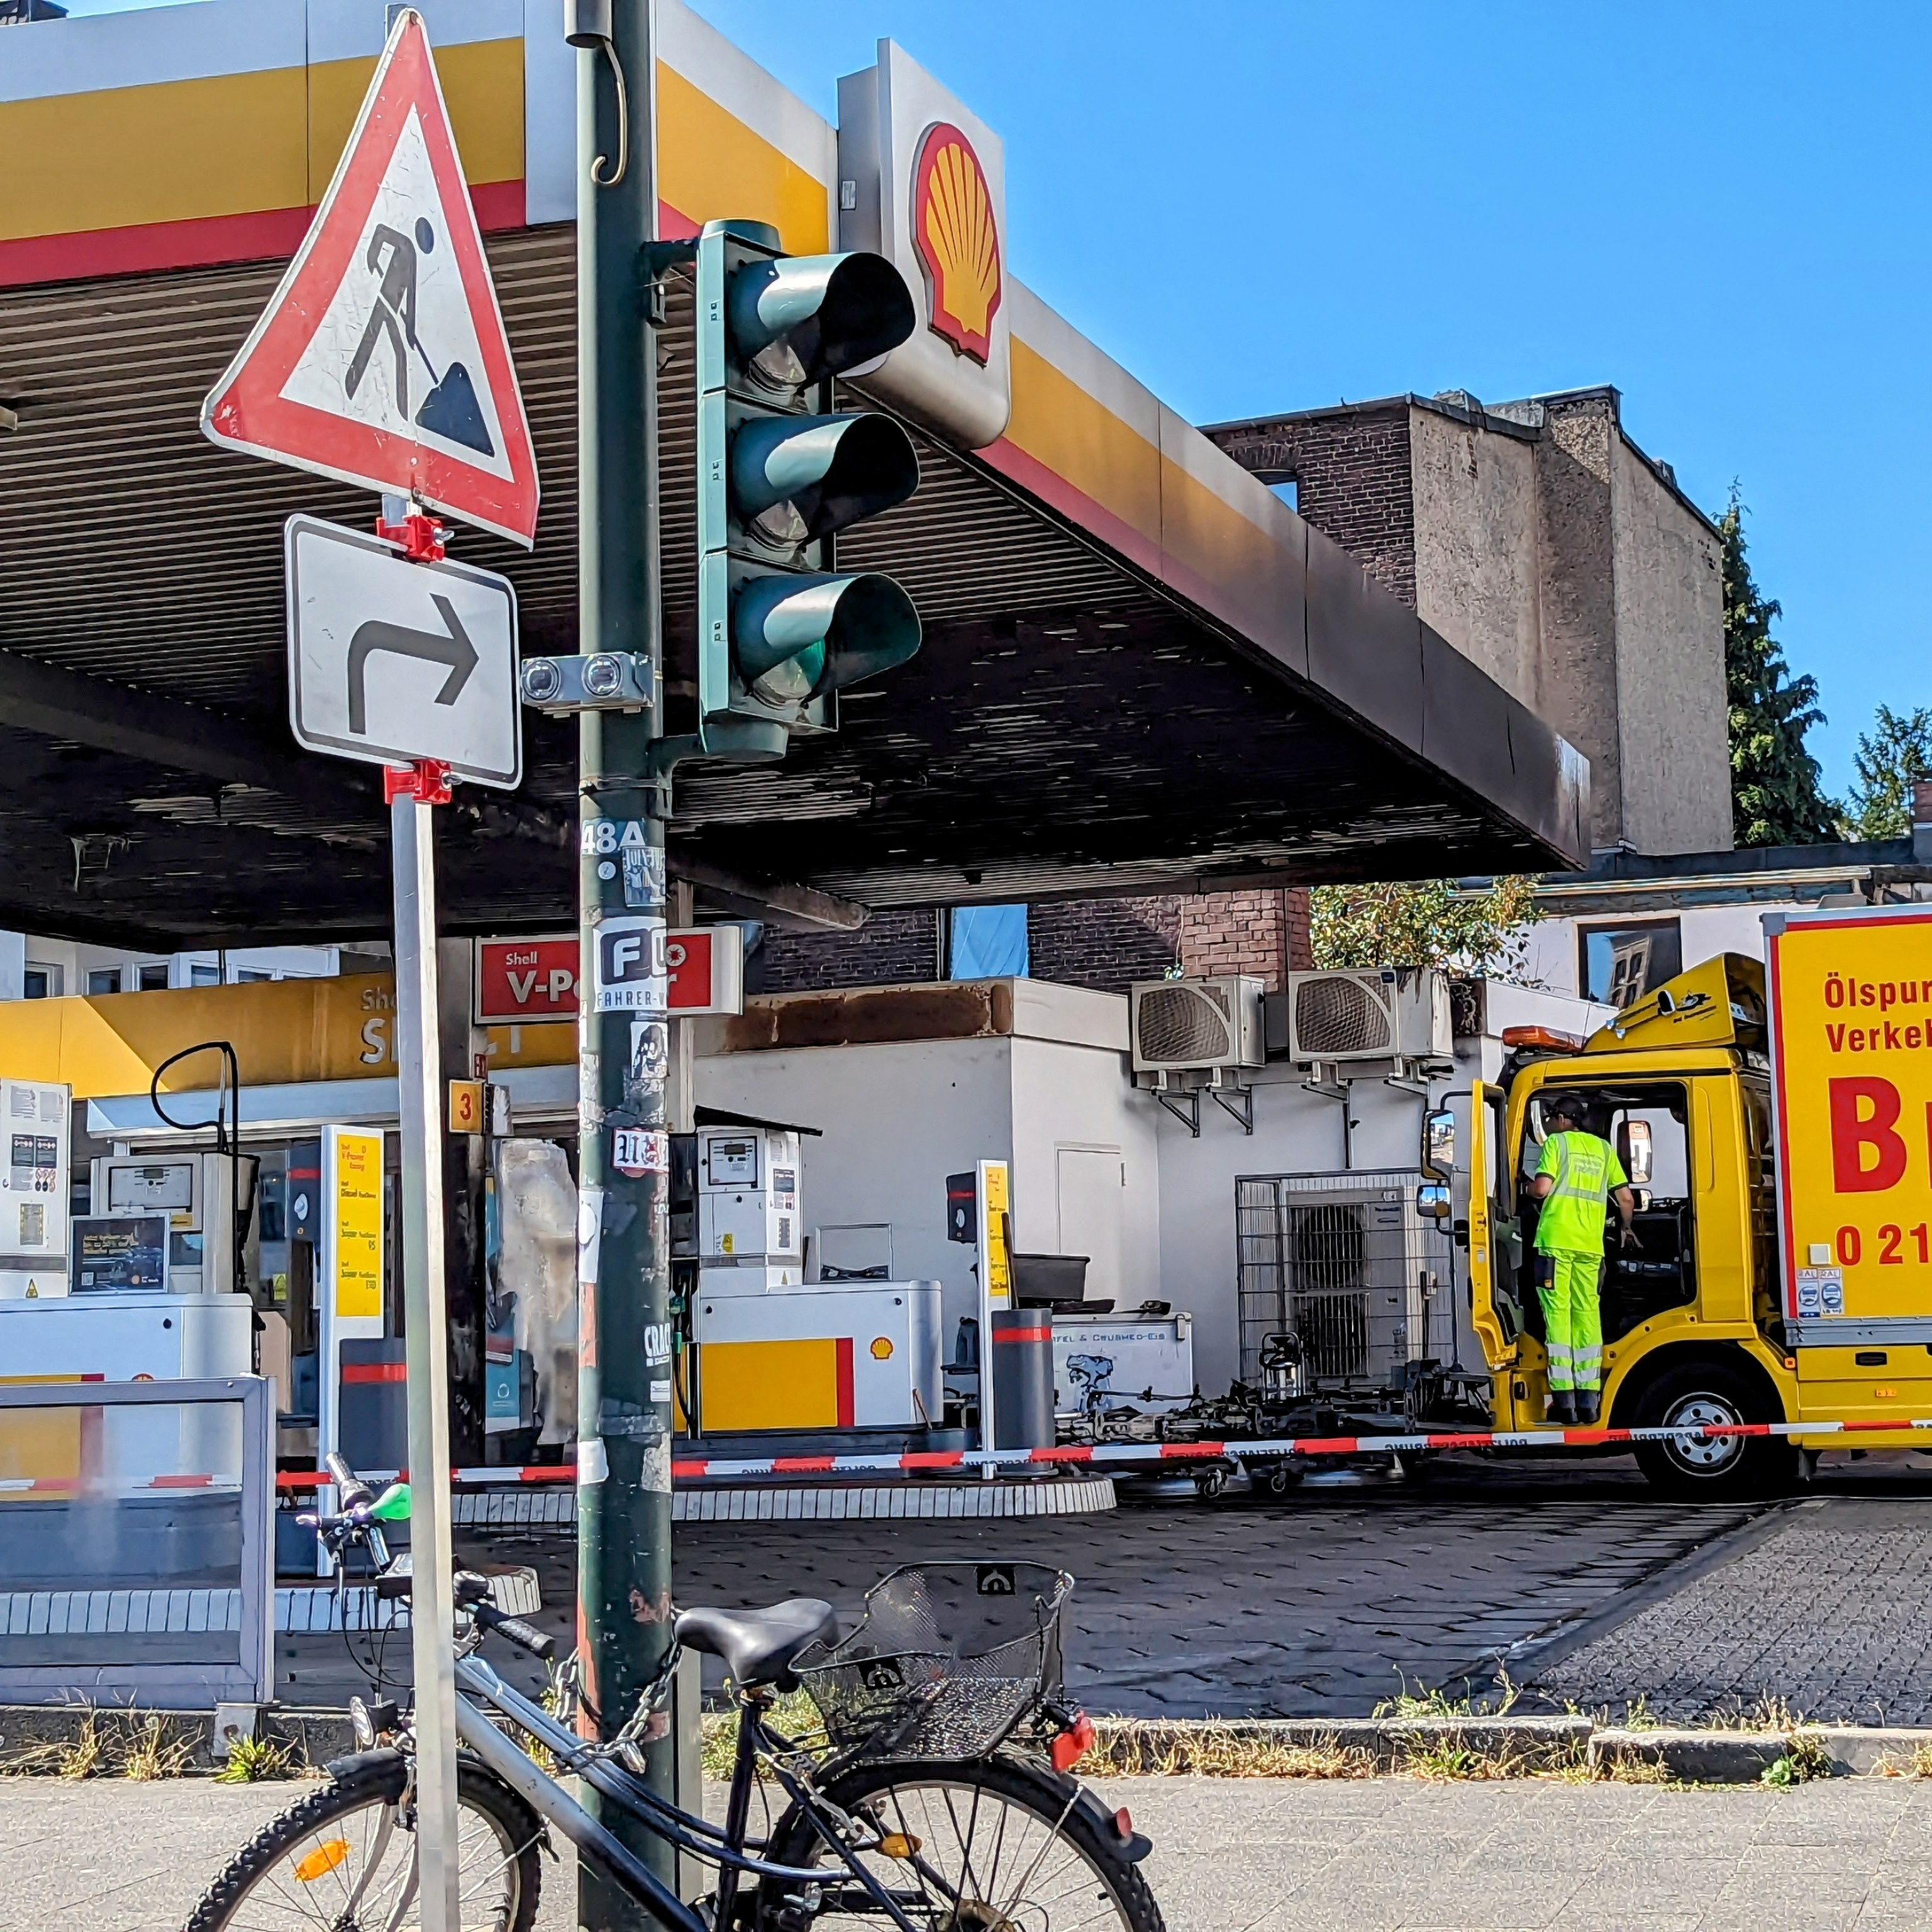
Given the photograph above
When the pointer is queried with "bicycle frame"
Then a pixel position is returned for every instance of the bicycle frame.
(681, 1829)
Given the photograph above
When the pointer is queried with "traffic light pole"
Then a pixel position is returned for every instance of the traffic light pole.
(624, 1411)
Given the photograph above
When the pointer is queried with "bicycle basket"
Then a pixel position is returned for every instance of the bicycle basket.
(949, 1658)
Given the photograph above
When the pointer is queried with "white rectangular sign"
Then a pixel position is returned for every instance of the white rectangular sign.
(392, 662)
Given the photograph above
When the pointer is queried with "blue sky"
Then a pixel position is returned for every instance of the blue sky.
(1720, 207)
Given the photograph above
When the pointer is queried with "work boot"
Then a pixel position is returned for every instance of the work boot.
(1562, 1407)
(1588, 1403)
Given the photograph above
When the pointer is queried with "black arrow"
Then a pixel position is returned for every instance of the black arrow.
(455, 650)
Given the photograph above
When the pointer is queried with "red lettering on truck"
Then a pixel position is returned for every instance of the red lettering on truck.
(1865, 1116)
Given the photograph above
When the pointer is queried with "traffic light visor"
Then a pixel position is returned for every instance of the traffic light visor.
(805, 317)
(798, 637)
(798, 478)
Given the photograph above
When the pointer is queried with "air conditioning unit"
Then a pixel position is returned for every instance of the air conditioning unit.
(1386, 1014)
(1183, 1026)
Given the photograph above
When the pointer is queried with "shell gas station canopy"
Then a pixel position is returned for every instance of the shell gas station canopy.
(1140, 671)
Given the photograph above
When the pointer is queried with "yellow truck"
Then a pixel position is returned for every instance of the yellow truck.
(1776, 1123)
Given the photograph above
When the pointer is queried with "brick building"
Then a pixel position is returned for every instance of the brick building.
(1547, 547)
(1104, 944)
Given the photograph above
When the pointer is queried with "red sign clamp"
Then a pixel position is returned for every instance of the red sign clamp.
(429, 781)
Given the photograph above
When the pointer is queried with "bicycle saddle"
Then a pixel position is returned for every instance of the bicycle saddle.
(758, 1646)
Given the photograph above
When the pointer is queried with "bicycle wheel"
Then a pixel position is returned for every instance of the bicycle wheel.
(991, 1846)
(345, 1855)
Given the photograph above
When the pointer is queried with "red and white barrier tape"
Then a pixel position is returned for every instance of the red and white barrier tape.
(1082, 1455)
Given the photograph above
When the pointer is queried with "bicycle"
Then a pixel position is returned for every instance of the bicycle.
(937, 1797)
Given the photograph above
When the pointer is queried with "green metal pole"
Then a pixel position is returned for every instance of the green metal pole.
(624, 1413)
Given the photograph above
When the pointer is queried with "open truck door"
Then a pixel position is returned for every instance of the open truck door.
(1493, 1319)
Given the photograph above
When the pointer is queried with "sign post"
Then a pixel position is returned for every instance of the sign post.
(381, 360)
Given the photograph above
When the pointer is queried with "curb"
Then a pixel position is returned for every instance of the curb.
(1742, 1757)
(313, 1736)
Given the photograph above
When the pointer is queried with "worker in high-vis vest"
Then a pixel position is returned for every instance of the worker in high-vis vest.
(1578, 1175)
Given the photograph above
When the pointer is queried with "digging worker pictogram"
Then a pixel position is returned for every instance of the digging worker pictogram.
(1578, 1176)
(394, 314)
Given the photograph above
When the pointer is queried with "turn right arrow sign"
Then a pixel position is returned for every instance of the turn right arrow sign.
(392, 662)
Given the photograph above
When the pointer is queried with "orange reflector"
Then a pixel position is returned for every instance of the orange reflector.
(1073, 1744)
(321, 1860)
(1543, 1036)
(899, 1844)
(1123, 1822)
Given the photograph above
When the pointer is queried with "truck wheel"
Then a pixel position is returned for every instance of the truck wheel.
(1711, 1469)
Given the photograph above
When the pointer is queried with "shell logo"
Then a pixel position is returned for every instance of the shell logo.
(958, 240)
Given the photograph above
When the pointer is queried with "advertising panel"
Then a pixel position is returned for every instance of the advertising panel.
(1852, 1018)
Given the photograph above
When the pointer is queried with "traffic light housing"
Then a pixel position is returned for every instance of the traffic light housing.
(781, 630)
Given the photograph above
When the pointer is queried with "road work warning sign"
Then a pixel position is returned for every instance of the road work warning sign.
(1851, 1001)
(382, 360)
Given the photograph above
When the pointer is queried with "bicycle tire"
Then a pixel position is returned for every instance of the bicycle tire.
(509, 1821)
(915, 1793)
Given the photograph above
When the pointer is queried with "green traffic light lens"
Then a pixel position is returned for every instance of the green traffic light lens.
(796, 636)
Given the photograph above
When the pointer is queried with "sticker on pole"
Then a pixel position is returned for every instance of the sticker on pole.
(381, 359)
(630, 972)
(637, 1151)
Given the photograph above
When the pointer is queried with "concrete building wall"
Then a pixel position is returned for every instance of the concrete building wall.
(1673, 742)
(1476, 561)
(1576, 566)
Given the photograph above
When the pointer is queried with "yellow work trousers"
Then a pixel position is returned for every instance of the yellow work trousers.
(1573, 1320)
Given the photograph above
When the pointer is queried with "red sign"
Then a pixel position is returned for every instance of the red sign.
(521, 980)
(381, 360)
(707, 970)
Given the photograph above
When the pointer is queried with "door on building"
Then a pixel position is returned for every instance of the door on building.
(1090, 1188)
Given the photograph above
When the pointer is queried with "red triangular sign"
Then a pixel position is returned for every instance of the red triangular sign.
(381, 359)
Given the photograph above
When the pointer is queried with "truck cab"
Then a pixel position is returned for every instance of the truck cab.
(1681, 1083)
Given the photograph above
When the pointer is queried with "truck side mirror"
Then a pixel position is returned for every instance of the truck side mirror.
(1438, 1159)
(1635, 1151)
(1432, 1200)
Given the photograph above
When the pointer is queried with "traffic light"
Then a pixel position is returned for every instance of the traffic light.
(781, 630)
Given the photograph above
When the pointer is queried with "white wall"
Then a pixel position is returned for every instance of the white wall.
(896, 1120)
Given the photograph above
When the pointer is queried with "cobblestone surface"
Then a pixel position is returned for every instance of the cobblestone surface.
(1832, 1614)
(1319, 1605)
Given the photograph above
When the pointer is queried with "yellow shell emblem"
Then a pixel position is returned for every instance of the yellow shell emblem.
(958, 240)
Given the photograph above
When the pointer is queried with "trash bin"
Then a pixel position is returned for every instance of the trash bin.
(1023, 1378)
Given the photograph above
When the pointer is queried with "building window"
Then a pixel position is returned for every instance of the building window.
(988, 943)
(104, 979)
(40, 982)
(250, 975)
(153, 976)
(199, 975)
(1288, 489)
(1620, 964)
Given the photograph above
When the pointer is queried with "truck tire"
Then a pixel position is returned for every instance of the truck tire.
(1716, 1469)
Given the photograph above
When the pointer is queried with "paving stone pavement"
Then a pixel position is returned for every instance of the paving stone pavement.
(1389, 1855)
(1832, 1613)
(1319, 1605)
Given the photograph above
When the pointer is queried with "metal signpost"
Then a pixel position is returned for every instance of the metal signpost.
(382, 360)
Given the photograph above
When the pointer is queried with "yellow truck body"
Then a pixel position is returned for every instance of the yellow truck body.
(1785, 1268)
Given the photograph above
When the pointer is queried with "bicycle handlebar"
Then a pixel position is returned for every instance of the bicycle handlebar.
(525, 1636)
(355, 1493)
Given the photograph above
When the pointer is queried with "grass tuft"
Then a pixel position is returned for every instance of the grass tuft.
(148, 1753)
(1127, 1748)
(255, 1761)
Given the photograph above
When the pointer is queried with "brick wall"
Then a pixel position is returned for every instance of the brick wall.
(1353, 481)
(1258, 933)
(1106, 944)
(889, 949)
